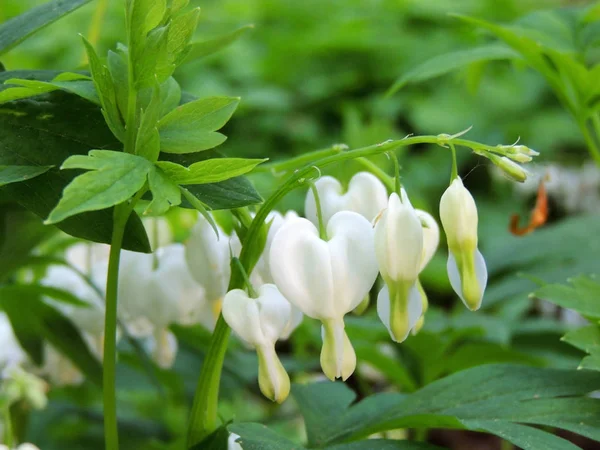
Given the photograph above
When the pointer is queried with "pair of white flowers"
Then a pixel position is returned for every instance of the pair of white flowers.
(328, 276)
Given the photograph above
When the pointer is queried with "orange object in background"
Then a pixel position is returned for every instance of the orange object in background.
(539, 215)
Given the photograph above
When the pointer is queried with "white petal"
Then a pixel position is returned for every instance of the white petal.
(353, 262)
(458, 213)
(242, 314)
(11, 354)
(208, 259)
(330, 196)
(414, 310)
(295, 320)
(301, 267)
(366, 195)
(456, 282)
(399, 241)
(431, 237)
(275, 312)
(232, 444)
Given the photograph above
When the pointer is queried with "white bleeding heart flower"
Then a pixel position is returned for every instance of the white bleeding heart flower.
(366, 195)
(466, 267)
(261, 322)
(231, 442)
(85, 255)
(326, 279)
(88, 318)
(208, 257)
(431, 241)
(399, 250)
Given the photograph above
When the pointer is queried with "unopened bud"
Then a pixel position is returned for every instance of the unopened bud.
(510, 168)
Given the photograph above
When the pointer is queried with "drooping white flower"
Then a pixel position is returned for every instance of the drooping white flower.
(366, 195)
(86, 255)
(326, 279)
(263, 267)
(60, 370)
(162, 346)
(431, 241)
(160, 289)
(88, 318)
(399, 249)
(260, 322)
(466, 267)
(208, 258)
(159, 231)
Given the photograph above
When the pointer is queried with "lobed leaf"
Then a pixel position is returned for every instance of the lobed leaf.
(114, 177)
(82, 86)
(204, 48)
(208, 171)
(191, 127)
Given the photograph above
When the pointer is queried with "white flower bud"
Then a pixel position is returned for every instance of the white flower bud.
(400, 254)
(327, 279)
(366, 195)
(466, 267)
(261, 322)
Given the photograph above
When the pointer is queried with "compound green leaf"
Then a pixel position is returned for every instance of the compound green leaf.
(113, 177)
(208, 47)
(208, 171)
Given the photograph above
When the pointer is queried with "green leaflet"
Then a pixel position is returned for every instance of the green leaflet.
(165, 193)
(17, 29)
(181, 32)
(191, 127)
(148, 141)
(447, 62)
(209, 171)
(15, 174)
(113, 178)
(582, 295)
(106, 91)
(205, 48)
(71, 82)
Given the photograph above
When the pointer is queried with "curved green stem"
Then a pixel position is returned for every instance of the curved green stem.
(322, 229)
(378, 172)
(454, 173)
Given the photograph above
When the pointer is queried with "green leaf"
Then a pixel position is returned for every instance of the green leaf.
(582, 296)
(208, 47)
(447, 62)
(56, 328)
(23, 290)
(147, 143)
(233, 193)
(191, 127)
(117, 66)
(15, 174)
(215, 441)
(181, 32)
(45, 131)
(504, 393)
(113, 178)
(165, 193)
(17, 29)
(142, 17)
(585, 338)
(527, 438)
(591, 362)
(384, 444)
(152, 64)
(83, 87)
(208, 171)
(106, 92)
(254, 436)
(170, 96)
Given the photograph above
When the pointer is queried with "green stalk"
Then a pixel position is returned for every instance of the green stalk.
(322, 226)
(111, 435)
(9, 439)
(378, 172)
(454, 174)
(589, 140)
(203, 418)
